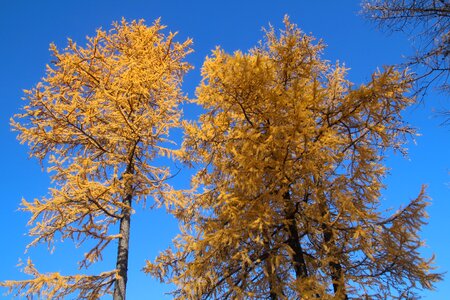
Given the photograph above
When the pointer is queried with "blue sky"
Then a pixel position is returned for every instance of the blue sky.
(28, 27)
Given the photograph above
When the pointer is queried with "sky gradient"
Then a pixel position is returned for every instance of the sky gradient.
(28, 27)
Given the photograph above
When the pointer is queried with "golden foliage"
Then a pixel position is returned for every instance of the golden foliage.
(287, 202)
(101, 116)
(56, 286)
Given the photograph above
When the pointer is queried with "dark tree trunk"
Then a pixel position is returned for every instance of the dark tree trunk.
(294, 239)
(337, 274)
(272, 293)
(299, 260)
(273, 296)
(272, 278)
(122, 252)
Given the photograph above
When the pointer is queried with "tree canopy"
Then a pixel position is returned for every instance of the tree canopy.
(286, 204)
(289, 158)
(99, 119)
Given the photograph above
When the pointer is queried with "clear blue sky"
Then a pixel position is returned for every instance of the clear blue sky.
(27, 28)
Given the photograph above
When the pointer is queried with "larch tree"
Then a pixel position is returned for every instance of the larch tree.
(287, 203)
(99, 119)
(427, 22)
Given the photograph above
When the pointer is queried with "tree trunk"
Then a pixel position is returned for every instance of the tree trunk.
(294, 239)
(337, 274)
(271, 274)
(269, 269)
(120, 286)
(122, 252)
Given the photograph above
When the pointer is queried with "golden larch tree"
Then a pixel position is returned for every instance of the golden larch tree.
(287, 203)
(100, 118)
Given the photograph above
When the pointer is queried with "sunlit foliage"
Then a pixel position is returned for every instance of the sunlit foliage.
(287, 202)
(99, 119)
